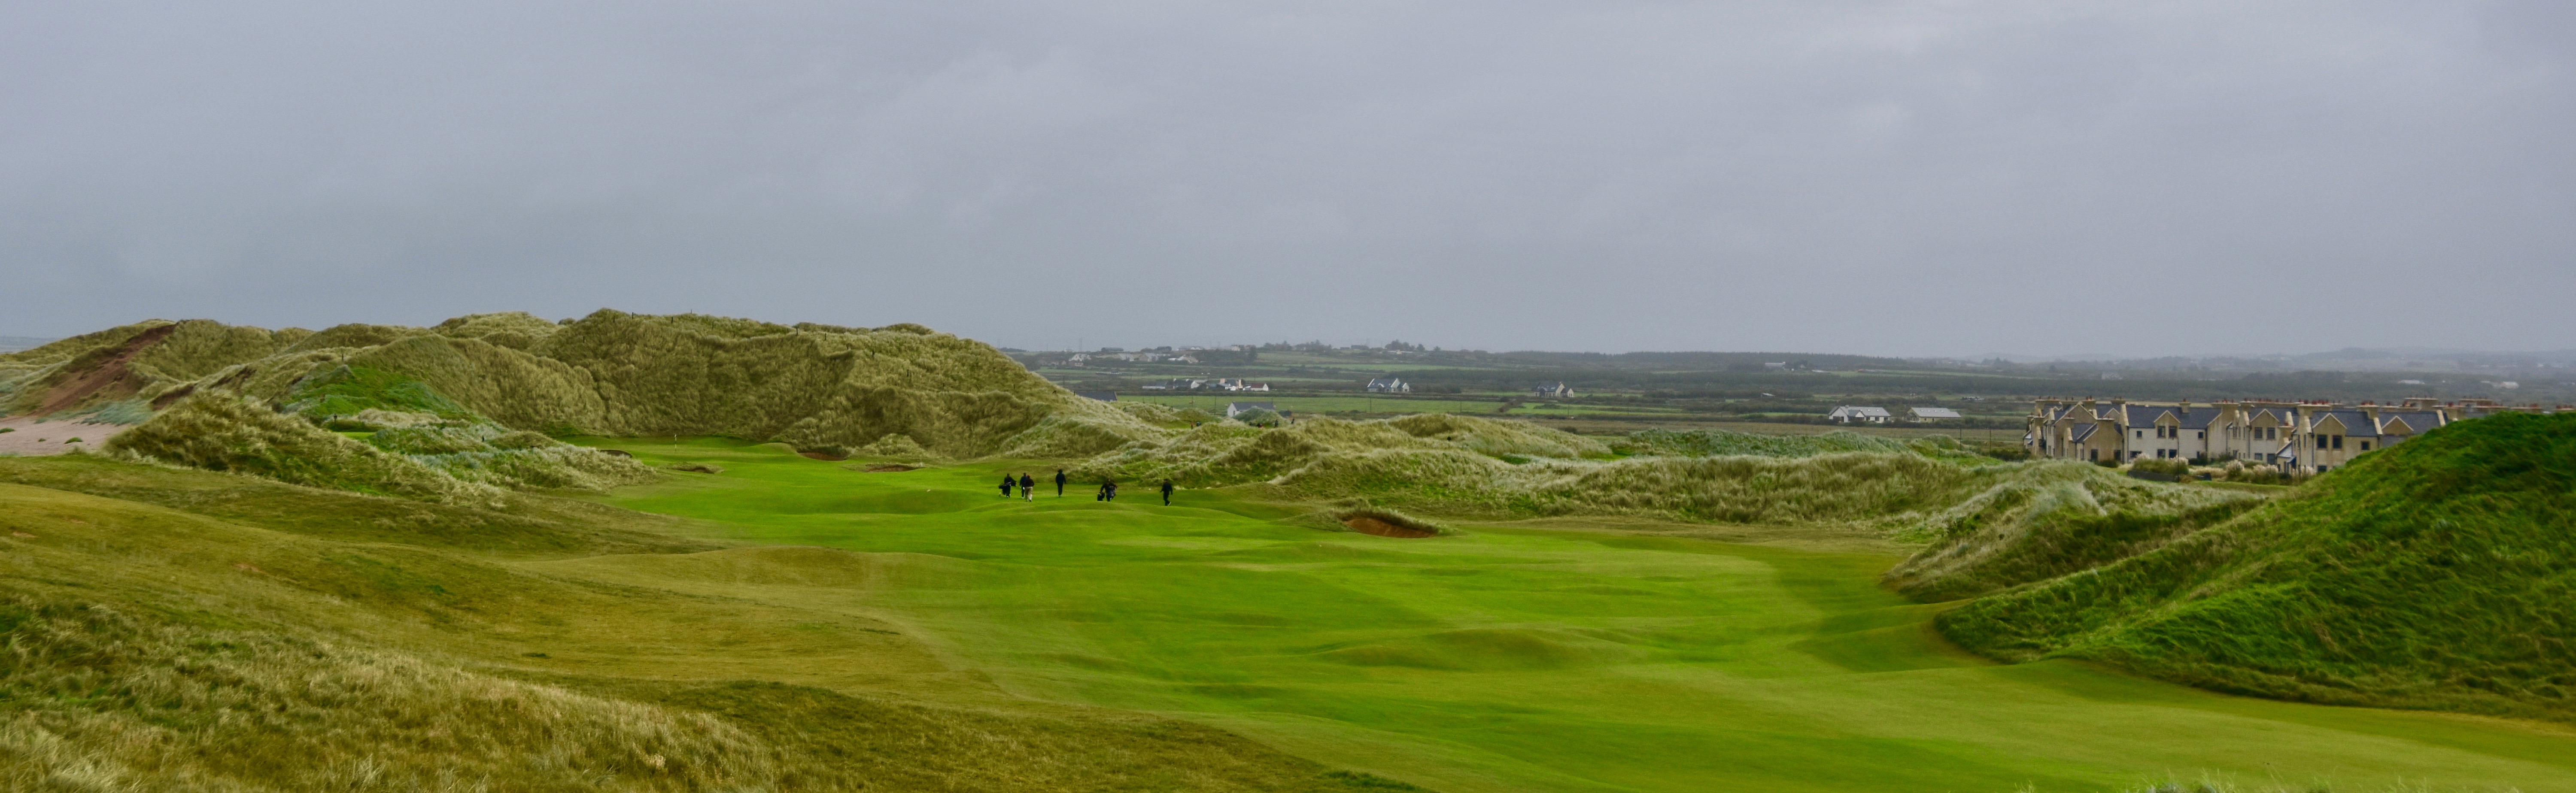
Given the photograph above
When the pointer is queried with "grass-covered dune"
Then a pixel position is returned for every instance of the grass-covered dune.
(815, 386)
(2438, 573)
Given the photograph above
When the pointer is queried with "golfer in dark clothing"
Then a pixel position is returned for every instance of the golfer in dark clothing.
(1059, 483)
(1007, 482)
(1167, 492)
(1028, 488)
(1112, 488)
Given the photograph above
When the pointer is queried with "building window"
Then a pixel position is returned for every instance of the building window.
(2365, 446)
(2143, 433)
(2200, 436)
(2338, 442)
(2321, 441)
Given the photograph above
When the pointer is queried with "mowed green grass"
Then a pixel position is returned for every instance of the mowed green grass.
(1515, 658)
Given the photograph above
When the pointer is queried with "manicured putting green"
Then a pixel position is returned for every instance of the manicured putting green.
(1522, 659)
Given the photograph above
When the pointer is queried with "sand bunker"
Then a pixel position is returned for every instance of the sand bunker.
(891, 468)
(1368, 525)
(27, 438)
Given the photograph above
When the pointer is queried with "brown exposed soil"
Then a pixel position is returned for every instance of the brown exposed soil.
(109, 377)
(891, 468)
(617, 452)
(1368, 525)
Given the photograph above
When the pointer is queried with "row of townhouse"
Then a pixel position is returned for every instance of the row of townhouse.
(2317, 436)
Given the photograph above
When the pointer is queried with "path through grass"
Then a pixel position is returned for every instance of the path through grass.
(1512, 658)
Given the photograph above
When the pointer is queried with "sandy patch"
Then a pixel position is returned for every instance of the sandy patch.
(1369, 525)
(29, 437)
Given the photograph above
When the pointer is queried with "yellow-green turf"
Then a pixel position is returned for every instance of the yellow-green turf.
(1579, 657)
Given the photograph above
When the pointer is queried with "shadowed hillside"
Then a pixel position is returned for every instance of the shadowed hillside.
(2434, 574)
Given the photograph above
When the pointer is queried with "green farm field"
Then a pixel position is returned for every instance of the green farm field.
(1215, 403)
(1558, 655)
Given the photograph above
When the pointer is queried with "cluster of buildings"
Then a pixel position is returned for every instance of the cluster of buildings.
(1083, 358)
(1864, 414)
(2315, 436)
(1210, 384)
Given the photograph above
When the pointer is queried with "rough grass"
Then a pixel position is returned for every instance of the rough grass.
(1475, 467)
(353, 390)
(1212, 455)
(2051, 518)
(2433, 574)
(223, 433)
(518, 525)
(460, 461)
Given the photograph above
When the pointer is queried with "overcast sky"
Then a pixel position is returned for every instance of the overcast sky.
(1910, 178)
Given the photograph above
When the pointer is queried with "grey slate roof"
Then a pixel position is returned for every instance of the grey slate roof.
(2417, 421)
(2354, 422)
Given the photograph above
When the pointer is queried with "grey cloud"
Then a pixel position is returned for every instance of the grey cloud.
(1907, 178)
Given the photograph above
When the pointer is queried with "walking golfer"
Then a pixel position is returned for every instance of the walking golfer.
(1167, 492)
(1007, 482)
(1059, 483)
(1028, 488)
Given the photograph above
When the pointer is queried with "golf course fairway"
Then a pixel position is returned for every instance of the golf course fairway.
(1508, 657)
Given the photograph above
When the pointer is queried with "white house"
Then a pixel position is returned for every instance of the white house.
(1930, 414)
(1552, 391)
(1389, 385)
(1850, 413)
(1233, 409)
